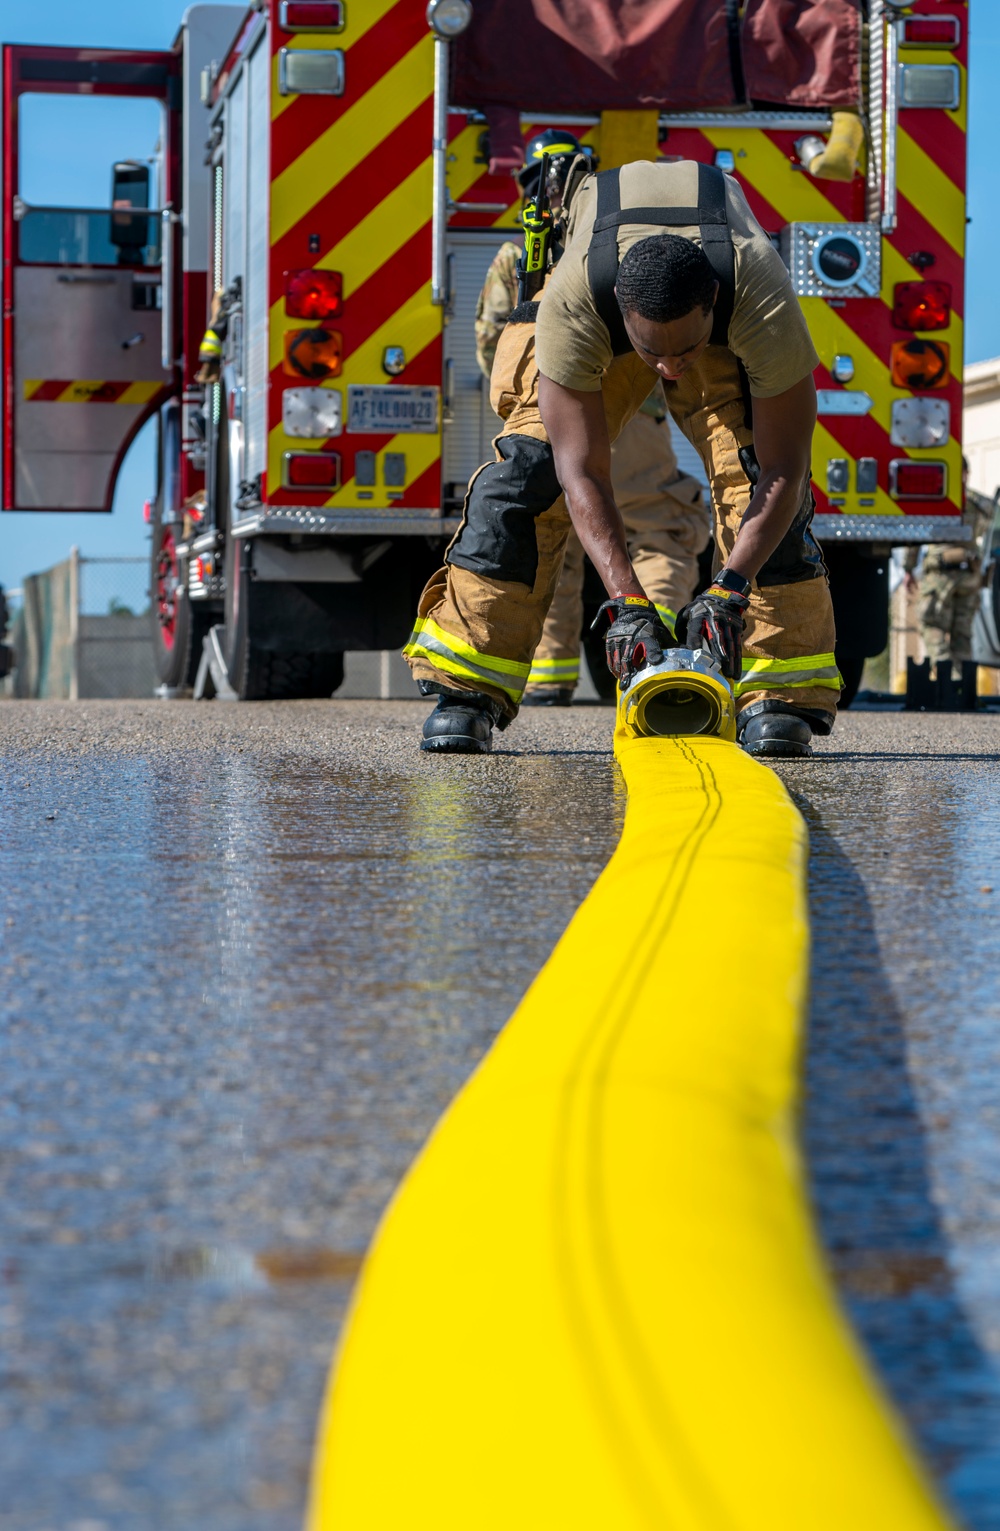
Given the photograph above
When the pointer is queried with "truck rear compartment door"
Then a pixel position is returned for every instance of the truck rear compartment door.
(83, 300)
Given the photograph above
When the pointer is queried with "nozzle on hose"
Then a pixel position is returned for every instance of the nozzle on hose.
(686, 693)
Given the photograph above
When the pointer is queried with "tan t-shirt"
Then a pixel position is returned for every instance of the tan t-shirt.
(768, 331)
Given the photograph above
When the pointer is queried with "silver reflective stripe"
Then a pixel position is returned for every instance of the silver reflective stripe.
(425, 645)
(822, 675)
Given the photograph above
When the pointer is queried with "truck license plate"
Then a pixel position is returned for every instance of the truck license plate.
(392, 409)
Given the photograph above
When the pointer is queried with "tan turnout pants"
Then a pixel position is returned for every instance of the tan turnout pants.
(667, 525)
(480, 618)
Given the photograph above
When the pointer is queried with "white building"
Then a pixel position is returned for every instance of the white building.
(982, 424)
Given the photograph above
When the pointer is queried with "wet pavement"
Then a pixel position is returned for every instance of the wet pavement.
(248, 954)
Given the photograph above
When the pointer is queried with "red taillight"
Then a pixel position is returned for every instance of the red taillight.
(314, 294)
(311, 16)
(312, 470)
(147, 511)
(909, 480)
(931, 32)
(920, 364)
(922, 305)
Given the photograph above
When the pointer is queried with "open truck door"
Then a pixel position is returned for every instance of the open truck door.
(89, 292)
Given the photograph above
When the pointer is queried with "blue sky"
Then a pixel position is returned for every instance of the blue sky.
(68, 163)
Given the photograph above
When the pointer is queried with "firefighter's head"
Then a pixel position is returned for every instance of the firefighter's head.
(562, 149)
(666, 290)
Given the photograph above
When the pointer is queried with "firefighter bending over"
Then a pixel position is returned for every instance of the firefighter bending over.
(666, 523)
(708, 309)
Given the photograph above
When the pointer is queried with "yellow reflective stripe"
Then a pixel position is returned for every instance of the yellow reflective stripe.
(139, 393)
(778, 683)
(554, 669)
(667, 616)
(806, 670)
(450, 654)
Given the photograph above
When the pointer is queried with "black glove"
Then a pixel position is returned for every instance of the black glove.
(636, 637)
(714, 621)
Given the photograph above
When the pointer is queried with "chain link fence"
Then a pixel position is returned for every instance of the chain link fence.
(82, 630)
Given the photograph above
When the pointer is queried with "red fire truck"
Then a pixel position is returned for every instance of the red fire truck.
(341, 170)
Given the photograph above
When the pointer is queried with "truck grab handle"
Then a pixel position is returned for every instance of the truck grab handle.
(891, 124)
(439, 152)
(167, 220)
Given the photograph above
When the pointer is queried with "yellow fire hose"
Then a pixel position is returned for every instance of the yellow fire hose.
(597, 1300)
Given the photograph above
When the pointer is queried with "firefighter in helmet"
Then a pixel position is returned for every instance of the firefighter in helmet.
(666, 521)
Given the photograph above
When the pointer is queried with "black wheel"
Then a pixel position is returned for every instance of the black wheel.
(177, 627)
(262, 661)
(851, 667)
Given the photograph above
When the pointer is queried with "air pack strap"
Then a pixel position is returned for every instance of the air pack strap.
(716, 239)
(713, 227)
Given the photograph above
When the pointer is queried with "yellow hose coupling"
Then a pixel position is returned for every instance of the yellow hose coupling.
(686, 693)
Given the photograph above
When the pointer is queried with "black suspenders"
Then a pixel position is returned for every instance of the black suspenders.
(709, 217)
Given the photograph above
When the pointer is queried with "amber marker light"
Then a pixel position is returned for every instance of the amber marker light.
(314, 354)
(920, 364)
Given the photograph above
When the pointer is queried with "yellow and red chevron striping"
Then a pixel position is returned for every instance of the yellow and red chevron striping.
(349, 199)
(299, 121)
(778, 193)
(91, 391)
(862, 327)
(351, 191)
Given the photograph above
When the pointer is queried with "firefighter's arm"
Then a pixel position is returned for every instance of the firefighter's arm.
(782, 438)
(578, 432)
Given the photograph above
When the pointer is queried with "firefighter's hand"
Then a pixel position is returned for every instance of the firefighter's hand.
(714, 621)
(636, 636)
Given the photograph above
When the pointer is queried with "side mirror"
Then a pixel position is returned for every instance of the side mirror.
(130, 230)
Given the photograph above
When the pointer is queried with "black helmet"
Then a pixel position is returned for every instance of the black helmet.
(561, 147)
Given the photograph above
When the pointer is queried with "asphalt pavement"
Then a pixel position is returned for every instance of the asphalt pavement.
(249, 953)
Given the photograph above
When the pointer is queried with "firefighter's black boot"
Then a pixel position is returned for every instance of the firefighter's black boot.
(461, 724)
(777, 729)
(548, 696)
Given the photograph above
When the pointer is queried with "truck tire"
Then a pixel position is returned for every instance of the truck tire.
(177, 627)
(265, 664)
(859, 586)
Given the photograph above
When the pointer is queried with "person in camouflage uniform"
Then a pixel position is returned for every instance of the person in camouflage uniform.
(666, 519)
(949, 583)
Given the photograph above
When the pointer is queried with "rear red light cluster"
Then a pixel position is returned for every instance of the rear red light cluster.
(931, 32)
(921, 305)
(910, 480)
(311, 15)
(314, 294)
(312, 470)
